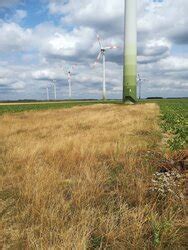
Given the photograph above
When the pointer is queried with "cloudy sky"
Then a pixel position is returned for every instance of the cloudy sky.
(40, 37)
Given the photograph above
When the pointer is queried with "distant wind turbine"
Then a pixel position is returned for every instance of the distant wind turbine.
(102, 53)
(55, 90)
(47, 93)
(68, 73)
(140, 81)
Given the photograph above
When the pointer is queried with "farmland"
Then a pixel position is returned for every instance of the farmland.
(175, 121)
(20, 107)
(176, 105)
(174, 114)
(85, 178)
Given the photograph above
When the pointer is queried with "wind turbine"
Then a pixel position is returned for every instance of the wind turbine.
(102, 53)
(140, 80)
(130, 52)
(47, 93)
(68, 72)
(55, 90)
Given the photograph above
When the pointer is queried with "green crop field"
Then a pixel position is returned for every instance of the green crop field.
(176, 105)
(20, 107)
(175, 121)
(13, 108)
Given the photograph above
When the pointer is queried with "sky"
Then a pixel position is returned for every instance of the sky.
(41, 38)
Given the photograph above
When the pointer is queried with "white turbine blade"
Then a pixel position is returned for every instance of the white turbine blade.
(111, 47)
(65, 69)
(73, 67)
(99, 40)
(98, 58)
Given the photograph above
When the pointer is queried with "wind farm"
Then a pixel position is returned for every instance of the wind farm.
(129, 84)
(93, 155)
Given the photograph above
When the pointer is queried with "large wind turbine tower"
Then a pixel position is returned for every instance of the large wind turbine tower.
(130, 52)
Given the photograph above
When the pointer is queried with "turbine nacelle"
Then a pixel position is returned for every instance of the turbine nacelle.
(103, 49)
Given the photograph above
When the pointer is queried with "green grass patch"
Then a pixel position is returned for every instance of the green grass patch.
(40, 106)
(174, 121)
(19, 107)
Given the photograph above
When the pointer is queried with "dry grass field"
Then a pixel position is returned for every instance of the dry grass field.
(81, 178)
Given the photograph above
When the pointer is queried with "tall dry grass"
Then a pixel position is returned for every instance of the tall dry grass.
(79, 179)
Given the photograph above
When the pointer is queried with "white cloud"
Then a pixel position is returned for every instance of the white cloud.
(19, 16)
(13, 37)
(46, 47)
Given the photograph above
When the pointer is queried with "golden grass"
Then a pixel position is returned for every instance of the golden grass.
(79, 179)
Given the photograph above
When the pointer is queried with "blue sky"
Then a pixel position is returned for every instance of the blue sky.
(39, 38)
